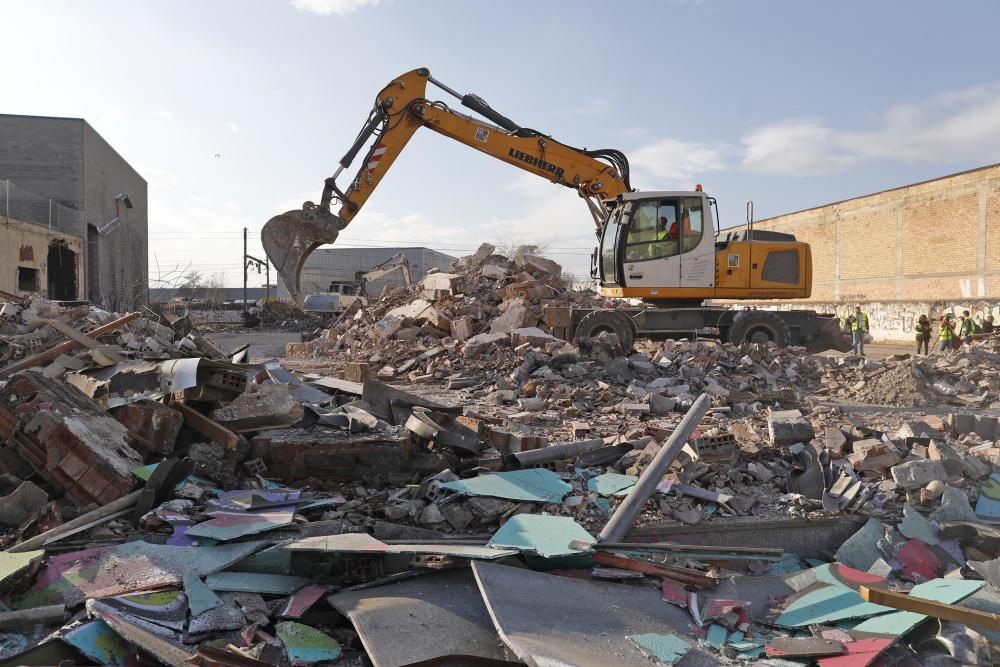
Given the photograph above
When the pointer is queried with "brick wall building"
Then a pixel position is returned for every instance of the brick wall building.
(61, 174)
(930, 247)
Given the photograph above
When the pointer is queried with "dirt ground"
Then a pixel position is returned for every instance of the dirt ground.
(268, 343)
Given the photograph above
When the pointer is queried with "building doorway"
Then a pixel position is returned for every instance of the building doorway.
(62, 272)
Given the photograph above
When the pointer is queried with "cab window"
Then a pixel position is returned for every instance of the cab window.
(654, 231)
(692, 224)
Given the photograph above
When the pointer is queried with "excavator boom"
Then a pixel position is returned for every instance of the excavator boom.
(400, 109)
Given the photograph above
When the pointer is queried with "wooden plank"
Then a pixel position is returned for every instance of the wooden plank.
(45, 357)
(947, 612)
(680, 574)
(803, 647)
(83, 339)
(207, 427)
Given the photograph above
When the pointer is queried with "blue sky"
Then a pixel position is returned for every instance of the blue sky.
(790, 104)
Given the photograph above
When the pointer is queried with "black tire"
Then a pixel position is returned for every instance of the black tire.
(595, 322)
(759, 326)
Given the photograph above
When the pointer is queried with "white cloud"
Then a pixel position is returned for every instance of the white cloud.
(671, 163)
(232, 127)
(798, 147)
(332, 7)
(165, 115)
(956, 126)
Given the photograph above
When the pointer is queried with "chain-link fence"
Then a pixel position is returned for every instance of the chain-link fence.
(17, 203)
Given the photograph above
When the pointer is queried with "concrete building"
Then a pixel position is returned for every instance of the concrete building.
(74, 210)
(926, 248)
(340, 265)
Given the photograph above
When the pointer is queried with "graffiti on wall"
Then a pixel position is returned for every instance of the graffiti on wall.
(894, 321)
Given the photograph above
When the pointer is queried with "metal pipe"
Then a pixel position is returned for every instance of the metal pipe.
(551, 453)
(623, 517)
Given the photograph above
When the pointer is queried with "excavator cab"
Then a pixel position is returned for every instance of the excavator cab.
(658, 246)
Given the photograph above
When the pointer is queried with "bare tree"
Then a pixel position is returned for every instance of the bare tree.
(516, 249)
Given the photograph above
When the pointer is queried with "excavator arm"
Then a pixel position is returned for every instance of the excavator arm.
(402, 107)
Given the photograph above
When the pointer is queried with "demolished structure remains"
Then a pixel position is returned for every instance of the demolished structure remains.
(434, 478)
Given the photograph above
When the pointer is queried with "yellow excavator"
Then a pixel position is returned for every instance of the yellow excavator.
(661, 247)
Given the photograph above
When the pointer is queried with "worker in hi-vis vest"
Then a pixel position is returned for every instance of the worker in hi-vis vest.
(859, 327)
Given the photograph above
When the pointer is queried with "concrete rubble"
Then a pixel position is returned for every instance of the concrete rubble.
(438, 448)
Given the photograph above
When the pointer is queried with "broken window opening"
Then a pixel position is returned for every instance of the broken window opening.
(61, 272)
(27, 279)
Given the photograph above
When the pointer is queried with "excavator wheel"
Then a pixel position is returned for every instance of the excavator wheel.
(759, 326)
(611, 321)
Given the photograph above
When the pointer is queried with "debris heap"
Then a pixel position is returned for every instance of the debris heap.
(522, 500)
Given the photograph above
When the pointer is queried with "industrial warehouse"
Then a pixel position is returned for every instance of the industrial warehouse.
(307, 365)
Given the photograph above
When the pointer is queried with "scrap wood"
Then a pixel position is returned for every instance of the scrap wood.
(680, 574)
(93, 517)
(207, 427)
(65, 346)
(83, 339)
(941, 610)
(753, 552)
(803, 647)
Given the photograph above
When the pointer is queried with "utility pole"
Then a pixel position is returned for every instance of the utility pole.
(251, 261)
(244, 269)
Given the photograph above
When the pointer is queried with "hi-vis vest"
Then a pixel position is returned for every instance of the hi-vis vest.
(968, 327)
(858, 320)
(946, 333)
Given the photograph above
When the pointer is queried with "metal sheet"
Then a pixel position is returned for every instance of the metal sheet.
(200, 597)
(827, 603)
(162, 643)
(550, 620)
(306, 645)
(97, 641)
(664, 649)
(265, 584)
(244, 500)
(225, 526)
(547, 536)
(535, 485)
(73, 577)
(343, 543)
(859, 653)
(440, 614)
(988, 505)
(300, 601)
(15, 563)
(166, 608)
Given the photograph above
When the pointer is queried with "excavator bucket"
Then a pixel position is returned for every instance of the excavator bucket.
(830, 337)
(289, 238)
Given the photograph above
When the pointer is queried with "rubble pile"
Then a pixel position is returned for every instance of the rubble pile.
(531, 502)
(967, 376)
(465, 315)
